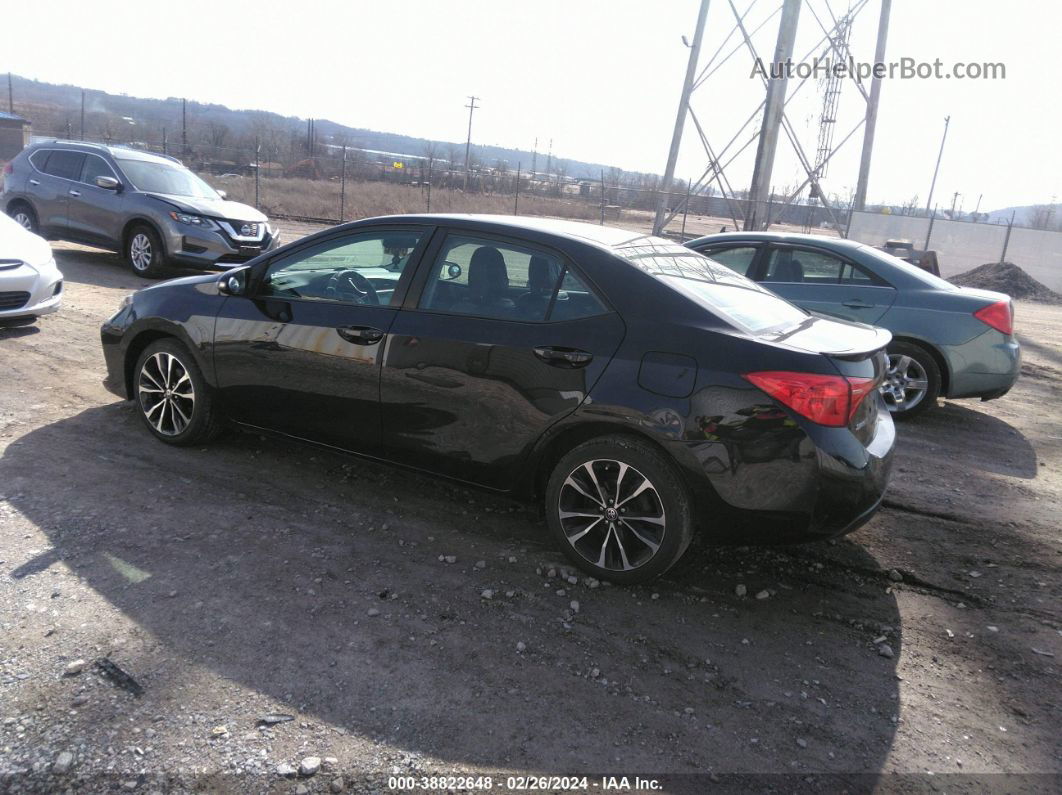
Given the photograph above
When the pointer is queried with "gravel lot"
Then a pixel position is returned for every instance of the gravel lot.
(411, 627)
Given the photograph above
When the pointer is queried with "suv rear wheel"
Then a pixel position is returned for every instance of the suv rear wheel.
(24, 216)
(143, 252)
(619, 509)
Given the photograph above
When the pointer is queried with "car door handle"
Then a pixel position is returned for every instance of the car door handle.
(34, 182)
(75, 193)
(855, 303)
(360, 335)
(564, 357)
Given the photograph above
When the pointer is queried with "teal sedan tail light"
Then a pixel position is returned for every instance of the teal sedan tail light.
(999, 316)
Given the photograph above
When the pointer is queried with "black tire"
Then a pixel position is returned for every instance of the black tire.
(191, 416)
(24, 216)
(620, 543)
(905, 383)
(144, 253)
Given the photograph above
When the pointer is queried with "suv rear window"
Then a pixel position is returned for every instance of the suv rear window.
(726, 294)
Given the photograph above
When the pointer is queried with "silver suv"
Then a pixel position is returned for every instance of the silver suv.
(148, 207)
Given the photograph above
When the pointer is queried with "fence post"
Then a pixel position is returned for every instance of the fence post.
(343, 187)
(602, 223)
(431, 161)
(516, 201)
(686, 209)
(1006, 239)
(257, 171)
(929, 233)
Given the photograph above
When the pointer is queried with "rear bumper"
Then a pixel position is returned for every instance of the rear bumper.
(986, 367)
(809, 482)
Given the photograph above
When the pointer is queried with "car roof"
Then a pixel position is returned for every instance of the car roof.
(778, 237)
(118, 152)
(604, 236)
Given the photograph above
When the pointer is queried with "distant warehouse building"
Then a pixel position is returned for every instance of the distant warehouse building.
(14, 135)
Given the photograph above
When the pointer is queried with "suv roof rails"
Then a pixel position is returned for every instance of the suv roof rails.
(108, 147)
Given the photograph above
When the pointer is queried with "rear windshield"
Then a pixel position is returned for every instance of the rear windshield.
(712, 285)
(911, 270)
(154, 177)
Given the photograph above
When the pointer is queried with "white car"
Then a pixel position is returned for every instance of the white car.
(30, 283)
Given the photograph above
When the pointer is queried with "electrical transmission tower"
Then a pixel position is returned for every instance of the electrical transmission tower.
(831, 93)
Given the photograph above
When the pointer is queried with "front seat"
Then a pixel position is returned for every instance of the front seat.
(787, 269)
(488, 285)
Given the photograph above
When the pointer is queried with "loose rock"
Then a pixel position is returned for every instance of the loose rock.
(285, 770)
(63, 762)
(74, 668)
(310, 765)
(763, 595)
(885, 650)
(740, 590)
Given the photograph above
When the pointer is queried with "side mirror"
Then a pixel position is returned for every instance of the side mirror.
(453, 270)
(221, 193)
(108, 183)
(233, 282)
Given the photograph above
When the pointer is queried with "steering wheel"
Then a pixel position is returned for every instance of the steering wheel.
(353, 286)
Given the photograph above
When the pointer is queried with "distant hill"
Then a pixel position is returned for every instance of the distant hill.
(1028, 214)
(54, 109)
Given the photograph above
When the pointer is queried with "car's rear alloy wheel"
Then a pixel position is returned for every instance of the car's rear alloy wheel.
(912, 381)
(172, 396)
(25, 220)
(619, 509)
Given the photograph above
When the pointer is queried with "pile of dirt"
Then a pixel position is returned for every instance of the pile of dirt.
(1006, 277)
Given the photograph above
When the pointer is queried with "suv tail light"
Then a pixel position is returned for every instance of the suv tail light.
(999, 316)
(825, 399)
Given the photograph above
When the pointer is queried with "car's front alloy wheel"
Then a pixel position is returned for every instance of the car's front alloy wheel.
(172, 396)
(166, 393)
(143, 252)
(619, 509)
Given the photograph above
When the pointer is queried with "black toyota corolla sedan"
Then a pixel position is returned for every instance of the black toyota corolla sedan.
(638, 389)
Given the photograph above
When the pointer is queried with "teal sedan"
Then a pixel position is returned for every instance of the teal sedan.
(947, 341)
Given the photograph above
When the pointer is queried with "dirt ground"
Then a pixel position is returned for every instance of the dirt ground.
(254, 577)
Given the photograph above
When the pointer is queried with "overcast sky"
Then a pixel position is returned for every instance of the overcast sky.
(601, 79)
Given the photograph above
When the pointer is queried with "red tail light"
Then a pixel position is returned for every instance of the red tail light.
(999, 316)
(8, 168)
(825, 399)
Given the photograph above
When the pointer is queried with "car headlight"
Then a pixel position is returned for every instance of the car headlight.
(193, 220)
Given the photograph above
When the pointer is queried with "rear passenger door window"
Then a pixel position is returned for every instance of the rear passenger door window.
(488, 278)
(65, 164)
(803, 265)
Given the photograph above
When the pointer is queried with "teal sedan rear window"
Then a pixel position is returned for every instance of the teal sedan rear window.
(726, 294)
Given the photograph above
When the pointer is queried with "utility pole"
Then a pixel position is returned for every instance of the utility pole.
(82, 114)
(534, 158)
(10, 96)
(772, 115)
(872, 108)
(468, 142)
(940, 154)
(184, 127)
(954, 198)
(680, 118)
(977, 209)
(549, 160)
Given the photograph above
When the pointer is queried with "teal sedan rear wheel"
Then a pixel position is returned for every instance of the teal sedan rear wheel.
(912, 380)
